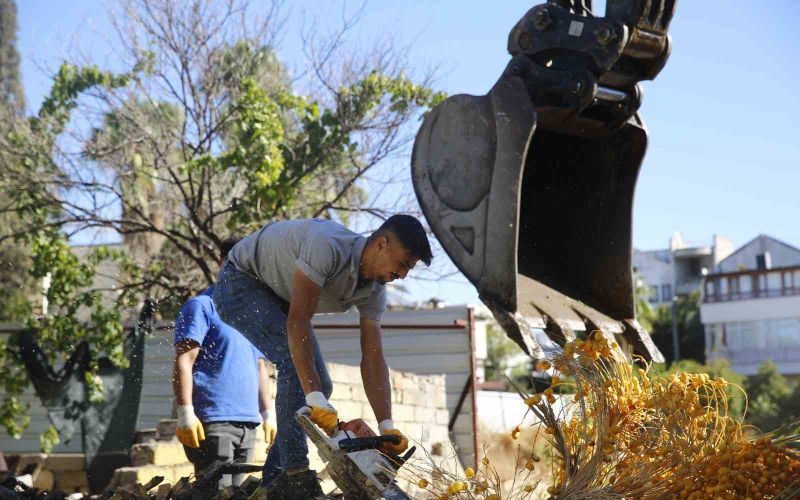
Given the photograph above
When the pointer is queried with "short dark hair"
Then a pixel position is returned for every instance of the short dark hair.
(228, 244)
(410, 233)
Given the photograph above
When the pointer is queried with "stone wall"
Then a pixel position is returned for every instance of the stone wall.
(62, 471)
(418, 403)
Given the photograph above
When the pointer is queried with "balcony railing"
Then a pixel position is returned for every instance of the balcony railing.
(742, 285)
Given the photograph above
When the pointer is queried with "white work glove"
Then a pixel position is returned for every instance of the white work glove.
(190, 431)
(322, 413)
(386, 428)
(270, 425)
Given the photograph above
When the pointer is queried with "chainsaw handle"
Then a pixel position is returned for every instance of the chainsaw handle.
(366, 443)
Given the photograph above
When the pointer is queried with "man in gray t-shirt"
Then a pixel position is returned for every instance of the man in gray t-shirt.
(273, 283)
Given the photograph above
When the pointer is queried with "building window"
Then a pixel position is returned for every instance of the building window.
(666, 293)
(786, 333)
(694, 267)
(653, 298)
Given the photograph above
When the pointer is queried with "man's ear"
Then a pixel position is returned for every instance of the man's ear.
(383, 242)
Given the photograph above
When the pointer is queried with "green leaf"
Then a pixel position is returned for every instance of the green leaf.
(48, 439)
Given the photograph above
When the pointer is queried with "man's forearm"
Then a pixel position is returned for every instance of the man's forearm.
(264, 401)
(182, 384)
(301, 347)
(375, 376)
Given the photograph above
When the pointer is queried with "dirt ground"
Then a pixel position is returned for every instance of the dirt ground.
(508, 456)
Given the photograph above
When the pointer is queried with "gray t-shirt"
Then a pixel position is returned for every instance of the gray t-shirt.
(327, 252)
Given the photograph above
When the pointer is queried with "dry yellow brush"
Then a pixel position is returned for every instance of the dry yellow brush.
(437, 483)
(631, 434)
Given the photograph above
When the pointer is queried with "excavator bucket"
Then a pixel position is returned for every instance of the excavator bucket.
(529, 188)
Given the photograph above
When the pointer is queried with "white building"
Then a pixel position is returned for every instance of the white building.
(751, 307)
(678, 270)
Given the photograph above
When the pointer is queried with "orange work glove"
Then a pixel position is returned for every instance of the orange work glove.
(322, 413)
(269, 425)
(190, 431)
(386, 428)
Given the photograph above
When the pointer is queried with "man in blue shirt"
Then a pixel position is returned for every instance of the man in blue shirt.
(221, 387)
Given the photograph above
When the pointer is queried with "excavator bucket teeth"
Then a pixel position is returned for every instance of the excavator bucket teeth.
(529, 188)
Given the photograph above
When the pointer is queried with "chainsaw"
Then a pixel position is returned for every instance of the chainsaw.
(355, 460)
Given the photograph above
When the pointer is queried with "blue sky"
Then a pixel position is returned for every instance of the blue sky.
(722, 116)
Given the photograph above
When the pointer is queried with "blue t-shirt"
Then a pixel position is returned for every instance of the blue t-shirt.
(225, 373)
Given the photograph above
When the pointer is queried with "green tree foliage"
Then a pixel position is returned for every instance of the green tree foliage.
(10, 82)
(16, 287)
(202, 138)
(70, 280)
(499, 350)
(658, 321)
(13, 381)
(641, 297)
(773, 399)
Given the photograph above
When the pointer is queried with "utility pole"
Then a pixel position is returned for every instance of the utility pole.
(676, 348)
